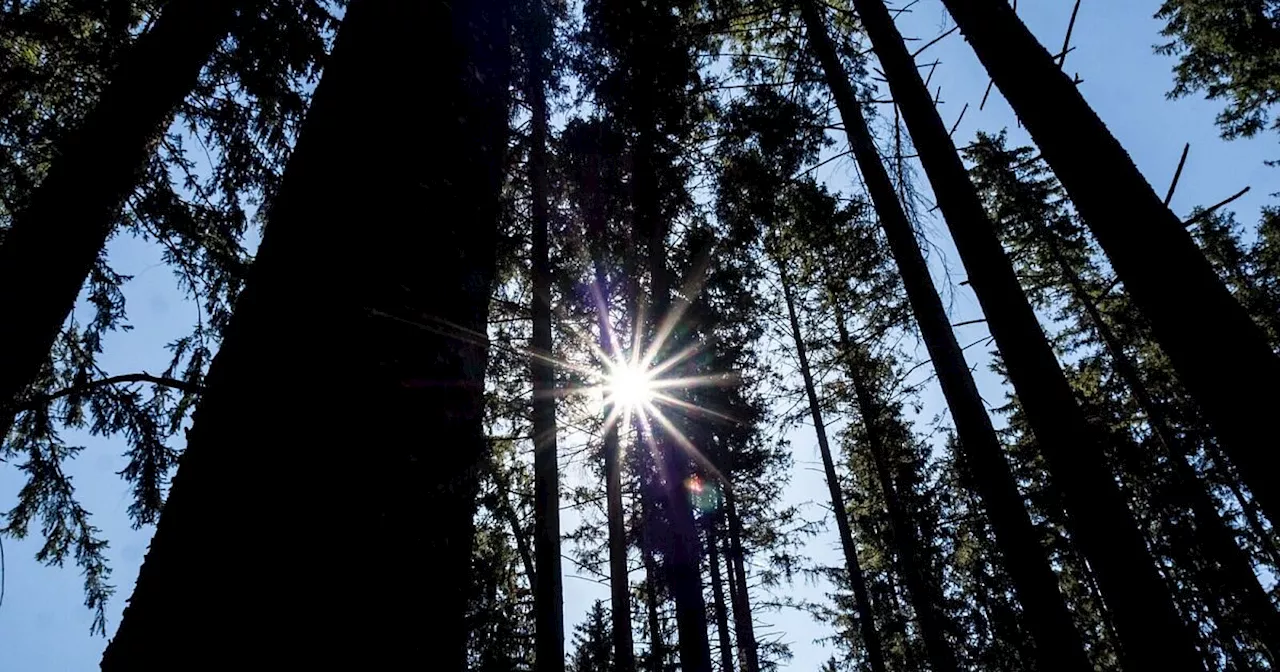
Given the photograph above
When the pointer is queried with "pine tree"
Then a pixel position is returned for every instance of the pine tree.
(592, 642)
(1046, 611)
(1145, 242)
(1036, 222)
(1229, 50)
(59, 231)
(1101, 523)
(397, 320)
(548, 590)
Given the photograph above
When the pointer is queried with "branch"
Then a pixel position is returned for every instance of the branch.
(36, 402)
(1215, 207)
(1177, 174)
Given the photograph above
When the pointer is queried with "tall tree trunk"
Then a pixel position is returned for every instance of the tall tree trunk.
(717, 592)
(54, 241)
(619, 576)
(862, 601)
(548, 597)
(1216, 539)
(382, 439)
(925, 600)
(657, 649)
(682, 552)
(1151, 630)
(1208, 336)
(743, 627)
(1058, 645)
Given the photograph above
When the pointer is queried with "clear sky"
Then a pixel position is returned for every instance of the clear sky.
(44, 625)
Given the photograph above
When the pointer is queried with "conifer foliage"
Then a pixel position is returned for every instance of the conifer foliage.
(515, 321)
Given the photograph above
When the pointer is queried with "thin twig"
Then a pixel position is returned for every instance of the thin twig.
(1066, 43)
(934, 41)
(1177, 174)
(1213, 208)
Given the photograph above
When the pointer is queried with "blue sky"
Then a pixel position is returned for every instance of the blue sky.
(43, 624)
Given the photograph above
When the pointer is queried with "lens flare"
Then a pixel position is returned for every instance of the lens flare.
(630, 386)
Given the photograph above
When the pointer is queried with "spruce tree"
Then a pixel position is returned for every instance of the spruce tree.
(399, 318)
(1208, 336)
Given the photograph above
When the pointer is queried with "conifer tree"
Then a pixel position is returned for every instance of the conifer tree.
(1207, 334)
(403, 316)
(1025, 561)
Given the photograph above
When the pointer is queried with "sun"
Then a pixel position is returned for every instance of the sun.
(629, 386)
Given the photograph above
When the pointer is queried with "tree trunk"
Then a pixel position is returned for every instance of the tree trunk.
(925, 600)
(513, 520)
(657, 653)
(382, 441)
(1216, 539)
(744, 628)
(1048, 620)
(54, 241)
(1208, 336)
(717, 592)
(682, 554)
(1151, 630)
(866, 620)
(548, 597)
(619, 576)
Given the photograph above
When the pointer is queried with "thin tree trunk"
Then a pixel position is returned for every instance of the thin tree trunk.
(1217, 540)
(54, 241)
(371, 444)
(853, 569)
(517, 532)
(717, 593)
(1208, 336)
(548, 597)
(925, 600)
(744, 628)
(683, 552)
(1151, 630)
(619, 575)
(657, 653)
(1048, 620)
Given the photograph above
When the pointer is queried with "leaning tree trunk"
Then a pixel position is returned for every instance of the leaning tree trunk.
(853, 568)
(548, 592)
(925, 600)
(1047, 617)
(1151, 630)
(1215, 537)
(1213, 344)
(53, 242)
(717, 592)
(743, 626)
(347, 395)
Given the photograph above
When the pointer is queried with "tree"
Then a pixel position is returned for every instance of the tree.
(1145, 242)
(1227, 49)
(242, 112)
(548, 591)
(592, 642)
(1053, 248)
(58, 233)
(1101, 523)
(1025, 561)
(395, 322)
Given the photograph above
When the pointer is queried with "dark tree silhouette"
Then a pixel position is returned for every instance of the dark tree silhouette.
(1057, 643)
(384, 439)
(1208, 336)
(49, 250)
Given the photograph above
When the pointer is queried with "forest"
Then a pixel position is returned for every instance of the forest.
(639, 335)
